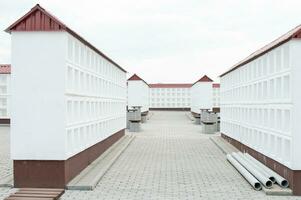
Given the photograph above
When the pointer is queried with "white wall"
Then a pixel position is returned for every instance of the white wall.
(295, 62)
(65, 97)
(216, 97)
(38, 106)
(169, 97)
(5, 96)
(201, 96)
(95, 96)
(138, 94)
(261, 104)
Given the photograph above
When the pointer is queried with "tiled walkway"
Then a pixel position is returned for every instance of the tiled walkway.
(5, 162)
(171, 159)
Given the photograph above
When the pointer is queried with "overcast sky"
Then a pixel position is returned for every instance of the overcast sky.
(167, 40)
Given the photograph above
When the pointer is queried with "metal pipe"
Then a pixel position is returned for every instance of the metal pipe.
(265, 181)
(247, 175)
(272, 178)
(279, 179)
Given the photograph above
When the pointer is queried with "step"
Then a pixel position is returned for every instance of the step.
(223, 145)
(36, 194)
(91, 175)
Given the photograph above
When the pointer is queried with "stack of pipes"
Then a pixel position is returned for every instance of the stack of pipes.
(256, 173)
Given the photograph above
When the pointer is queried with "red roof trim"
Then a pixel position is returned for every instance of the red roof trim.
(38, 19)
(205, 78)
(135, 77)
(5, 68)
(170, 85)
(294, 33)
(216, 85)
(35, 20)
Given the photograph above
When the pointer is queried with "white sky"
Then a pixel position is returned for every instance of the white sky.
(167, 40)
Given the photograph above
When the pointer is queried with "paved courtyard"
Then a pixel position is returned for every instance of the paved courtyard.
(170, 159)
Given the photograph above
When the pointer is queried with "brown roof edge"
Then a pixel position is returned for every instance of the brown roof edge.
(170, 85)
(294, 33)
(216, 85)
(5, 69)
(204, 78)
(135, 77)
(64, 27)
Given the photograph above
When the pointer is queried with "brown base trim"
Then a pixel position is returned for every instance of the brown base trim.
(144, 113)
(4, 121)
(57, 173)
(171, 109)
(293, 176)
(195, 115)
(216, 109)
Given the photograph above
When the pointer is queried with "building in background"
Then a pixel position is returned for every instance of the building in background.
(170, 96)
(5, 71)
(216, 97)
(138, 93)
(69, 101)
(261, 106)
(201, 95)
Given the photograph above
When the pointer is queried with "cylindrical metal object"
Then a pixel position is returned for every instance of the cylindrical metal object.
(245, 173)
(265, 181)
(272, 178)
(279, 179)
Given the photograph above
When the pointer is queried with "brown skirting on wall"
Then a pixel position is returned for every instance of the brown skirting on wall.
(144, 113)
(57, 173)
(4, 121)
(293, 176)
(171, 109)
(216, 109)
(195, 115)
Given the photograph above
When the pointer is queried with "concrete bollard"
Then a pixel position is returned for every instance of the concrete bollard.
(135, 126)
(208, 128)
(143, 119)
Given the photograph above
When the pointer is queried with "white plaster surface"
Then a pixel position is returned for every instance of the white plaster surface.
(138, 94)
(201, 96)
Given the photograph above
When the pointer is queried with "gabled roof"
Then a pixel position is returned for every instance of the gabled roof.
(135, 77)
(294, 33)
(170, 85)
(38, 19)
(5, 68)
(205, 78)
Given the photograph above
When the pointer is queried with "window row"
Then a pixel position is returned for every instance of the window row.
(276, 119)
(170, 94)
(187, 90)
(85, 83)
(3, 101)
(273, 89)
(3, 89)
(3, 79)
(3, 113)
(172, 99)
(270, 144)
(82, 137)
(170, 104)
(79, 111)
(264, 66)
(86, 58)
